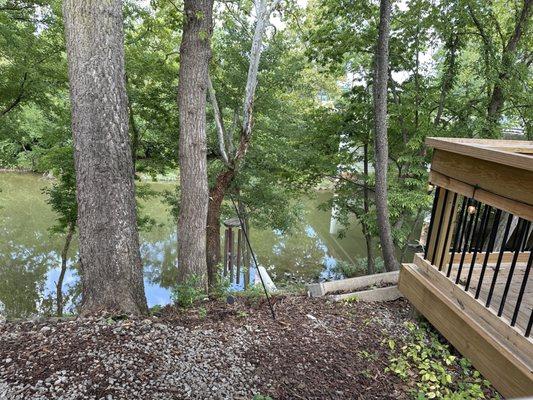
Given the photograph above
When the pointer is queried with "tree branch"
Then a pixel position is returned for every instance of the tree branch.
(218, 120)
(17, 99)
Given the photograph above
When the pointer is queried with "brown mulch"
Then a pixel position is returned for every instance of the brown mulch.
(315, 349)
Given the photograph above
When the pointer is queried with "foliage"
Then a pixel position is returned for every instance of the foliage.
(429, 365)
(187, 294)
(349, 270)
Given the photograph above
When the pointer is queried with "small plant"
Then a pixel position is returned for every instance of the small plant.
(202, 312)
(242, 314)
(433, 370)
(185, 295)
(222, 286)
(351, 300)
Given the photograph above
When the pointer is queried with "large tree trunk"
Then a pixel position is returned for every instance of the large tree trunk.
(195, 52)
(64, 257)
(216, 197)
(381, 64)
(110, 262)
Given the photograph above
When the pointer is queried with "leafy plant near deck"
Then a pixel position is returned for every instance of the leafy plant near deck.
(434, 372)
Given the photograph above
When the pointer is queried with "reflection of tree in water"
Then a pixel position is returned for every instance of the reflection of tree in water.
(299, 256)
(22, 278)
(159, 259)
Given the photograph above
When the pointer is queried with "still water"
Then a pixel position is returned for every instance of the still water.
(30, 253)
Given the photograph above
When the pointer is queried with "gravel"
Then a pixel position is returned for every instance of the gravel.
(98, 358)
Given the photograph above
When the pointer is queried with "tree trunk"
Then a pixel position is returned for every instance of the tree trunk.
(448, 76)
(195, 52)
(381, 63)
(110, 262)
(64, 257)
(370, 258)
(497, 98)
(216, 197)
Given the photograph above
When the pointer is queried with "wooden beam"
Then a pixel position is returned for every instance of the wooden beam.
(504, 181)
(503, 203)
(493, 257)
(487, 150)
(509, 374)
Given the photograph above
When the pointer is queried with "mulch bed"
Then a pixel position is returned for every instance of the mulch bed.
(315, 349)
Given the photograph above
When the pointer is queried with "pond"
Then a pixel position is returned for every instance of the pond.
(30, 253)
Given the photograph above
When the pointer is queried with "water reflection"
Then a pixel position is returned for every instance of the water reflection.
(30, 258)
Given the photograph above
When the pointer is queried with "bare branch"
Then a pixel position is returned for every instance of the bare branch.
(263, 15)
(218, 120)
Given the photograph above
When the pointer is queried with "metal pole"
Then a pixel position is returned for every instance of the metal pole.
(253, 256)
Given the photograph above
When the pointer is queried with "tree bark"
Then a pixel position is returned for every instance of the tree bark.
(448, 76)
(110, 262)
(216, 197)
(381, 64)
(370, 258)
(64, 257)
(195, 53)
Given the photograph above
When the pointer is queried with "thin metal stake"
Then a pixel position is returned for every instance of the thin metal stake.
(458, 234)
(479, 243)
(253, 255)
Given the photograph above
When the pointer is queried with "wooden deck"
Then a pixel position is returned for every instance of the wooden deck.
(482, 214)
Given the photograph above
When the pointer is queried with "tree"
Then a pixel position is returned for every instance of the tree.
(381, 76)
(195, 52)
(507, 59)
(110, 263)
(233, 155)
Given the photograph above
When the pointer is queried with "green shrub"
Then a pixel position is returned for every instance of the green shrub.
(185, 295)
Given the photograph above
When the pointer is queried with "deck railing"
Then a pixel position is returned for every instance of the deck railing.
(473, 281)
(486, 251)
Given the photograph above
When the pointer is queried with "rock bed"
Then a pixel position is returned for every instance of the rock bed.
(102, 359)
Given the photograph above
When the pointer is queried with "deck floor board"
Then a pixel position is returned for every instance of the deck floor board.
(512, 296)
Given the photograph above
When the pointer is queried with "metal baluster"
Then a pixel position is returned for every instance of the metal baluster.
(526, 236)
(479, 243)
(500, 256)
(490, 248)
(519, 237)
(430, 228)
(476, 220)
(443, 209)
(473, 217)
(458, 234)
(448, 229)
(522, 290)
